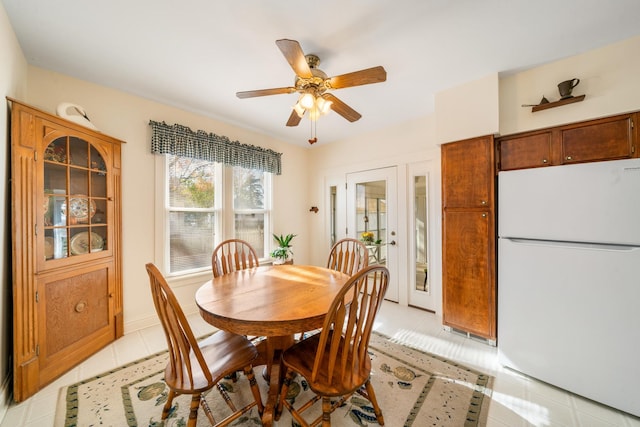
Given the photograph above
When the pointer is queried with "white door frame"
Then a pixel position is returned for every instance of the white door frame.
(394, 239)
(416, 298)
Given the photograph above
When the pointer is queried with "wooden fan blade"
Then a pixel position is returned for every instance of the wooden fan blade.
(295, 56)
(341, 108)
(358, 78)
(294, 119)
(265, 92)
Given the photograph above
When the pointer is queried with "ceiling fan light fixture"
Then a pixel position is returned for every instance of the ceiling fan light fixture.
(299, 109)
(323, 105)
(307, 100)
(314, 114)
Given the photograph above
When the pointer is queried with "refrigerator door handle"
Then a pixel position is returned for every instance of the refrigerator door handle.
(576, 245)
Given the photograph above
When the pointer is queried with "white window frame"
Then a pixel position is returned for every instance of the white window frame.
(229, 214)
(223, 206)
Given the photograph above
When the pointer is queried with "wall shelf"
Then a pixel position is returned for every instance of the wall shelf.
(558, 103)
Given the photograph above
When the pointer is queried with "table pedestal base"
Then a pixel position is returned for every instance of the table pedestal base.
(269, 351)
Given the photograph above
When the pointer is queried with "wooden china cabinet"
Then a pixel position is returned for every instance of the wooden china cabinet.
(66, 248)
(468, 236)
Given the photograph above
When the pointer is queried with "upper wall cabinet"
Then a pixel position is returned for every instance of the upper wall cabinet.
(66, 246)
(604, 139)
(531, 150)
(609, 138)
(468, 166)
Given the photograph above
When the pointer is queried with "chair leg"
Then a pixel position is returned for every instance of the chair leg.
(371, 395)
(207, 410)
(283, 393)
(168, 404)
(326, 411)
(193, 412)
(248, 371)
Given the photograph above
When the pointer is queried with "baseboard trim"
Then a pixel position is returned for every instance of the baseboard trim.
(5, 396)
(153, 320)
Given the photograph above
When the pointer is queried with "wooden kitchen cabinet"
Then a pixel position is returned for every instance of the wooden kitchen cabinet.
(468, 237)
(604, 139)
(467, 166)
(609, 138)
(531, 150)
(66, 246)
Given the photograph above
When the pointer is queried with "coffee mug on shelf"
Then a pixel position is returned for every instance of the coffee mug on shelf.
(566, 87)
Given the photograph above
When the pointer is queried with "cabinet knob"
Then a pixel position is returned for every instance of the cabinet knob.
(544, 160)
(484, 202)
(484, 215)
(568, 158)
(80, 307)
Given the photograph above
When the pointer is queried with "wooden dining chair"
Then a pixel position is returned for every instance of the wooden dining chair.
(193, 367)
(232, 255)
(348, 256)
(336, 362)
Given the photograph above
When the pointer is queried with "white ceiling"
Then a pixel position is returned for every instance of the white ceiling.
(196, 54)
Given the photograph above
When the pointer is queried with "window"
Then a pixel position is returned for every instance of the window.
(250, 207)
(201, 210)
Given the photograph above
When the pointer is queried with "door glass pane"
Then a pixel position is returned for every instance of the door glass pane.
(75, 199)
(78, 152)
(371, 218)
(333, 194)
(420, 221)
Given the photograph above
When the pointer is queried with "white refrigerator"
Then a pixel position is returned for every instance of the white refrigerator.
(569, 278)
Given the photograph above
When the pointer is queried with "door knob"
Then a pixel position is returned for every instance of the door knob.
(392, 243)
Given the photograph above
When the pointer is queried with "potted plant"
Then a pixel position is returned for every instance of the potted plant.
(283, 251)
(367, 237)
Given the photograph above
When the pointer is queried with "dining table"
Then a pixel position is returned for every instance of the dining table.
(276, 302)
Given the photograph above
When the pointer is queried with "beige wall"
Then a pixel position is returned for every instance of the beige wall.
(13, 82)
(127, 117)
(608, 77)
(468, 110)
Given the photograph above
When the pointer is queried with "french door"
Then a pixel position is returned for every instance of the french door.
(372, 208)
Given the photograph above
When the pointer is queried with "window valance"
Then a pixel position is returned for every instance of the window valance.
(182, 141)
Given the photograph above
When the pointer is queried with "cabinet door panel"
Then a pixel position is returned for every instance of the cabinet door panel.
(76, 315)
(529, 151)
(468, 272)
(467, 167)
(601, 140)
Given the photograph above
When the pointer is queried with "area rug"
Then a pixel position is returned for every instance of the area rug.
(414, 388)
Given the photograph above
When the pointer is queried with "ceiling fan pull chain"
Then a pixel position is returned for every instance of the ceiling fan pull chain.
(313, 138)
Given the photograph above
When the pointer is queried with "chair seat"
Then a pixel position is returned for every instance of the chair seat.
(225, 353)
(300, 358)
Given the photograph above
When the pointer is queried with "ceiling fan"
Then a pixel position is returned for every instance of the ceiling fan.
(313, 85)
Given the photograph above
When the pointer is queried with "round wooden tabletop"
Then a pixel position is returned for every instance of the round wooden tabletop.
(270, 300)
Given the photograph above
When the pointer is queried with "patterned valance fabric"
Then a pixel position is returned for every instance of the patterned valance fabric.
(182, 141)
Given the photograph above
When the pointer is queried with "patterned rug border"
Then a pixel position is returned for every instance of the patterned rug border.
(476, 413)
(482, 387)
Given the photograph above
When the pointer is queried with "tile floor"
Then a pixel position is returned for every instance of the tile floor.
(517, 400)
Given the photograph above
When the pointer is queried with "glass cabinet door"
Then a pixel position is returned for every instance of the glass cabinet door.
(75, 199)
